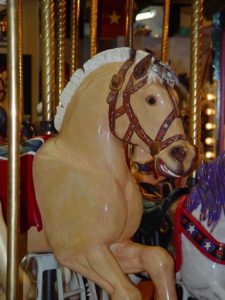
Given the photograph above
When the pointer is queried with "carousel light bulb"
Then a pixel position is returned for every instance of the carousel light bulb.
(209, 141)
(210, 126)
(210, 97)
(210, 111)
(145, 15)
(210, 154)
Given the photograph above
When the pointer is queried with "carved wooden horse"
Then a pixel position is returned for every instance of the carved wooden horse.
(199, 219)
(89, 201)
(200, 233)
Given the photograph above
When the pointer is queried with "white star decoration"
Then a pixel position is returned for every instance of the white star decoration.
(207, 245)
(191, 228)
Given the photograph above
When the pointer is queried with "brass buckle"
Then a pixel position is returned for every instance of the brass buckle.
(116, 83)
(155, 148)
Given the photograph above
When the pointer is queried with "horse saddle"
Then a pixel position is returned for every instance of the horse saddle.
(30, 214)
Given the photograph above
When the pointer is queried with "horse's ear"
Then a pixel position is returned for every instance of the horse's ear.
(142, 67)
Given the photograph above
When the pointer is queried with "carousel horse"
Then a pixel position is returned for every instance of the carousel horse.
(199, 232)
(200, 235)
(89, 202)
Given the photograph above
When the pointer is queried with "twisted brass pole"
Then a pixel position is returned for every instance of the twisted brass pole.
(165, 32)
(13, 152)
(48, 63)
(74, 35)
(129, 23)
(60, 48)
(196, 73)
(20, 49)
(129, 42)
(94, 20)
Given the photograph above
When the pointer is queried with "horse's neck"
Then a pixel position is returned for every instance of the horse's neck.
(85, 128)
(218, 232)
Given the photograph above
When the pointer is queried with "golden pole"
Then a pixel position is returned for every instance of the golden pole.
(60, 49)
(74, 35)
(129, 42)
(13, 153)
(195, 73)
(94, 20)
(20, 43)
(129, 23)
(165, 34)
(48, 64)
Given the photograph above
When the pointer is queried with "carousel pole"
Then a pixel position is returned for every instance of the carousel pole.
(94, 20)
(129, 24)
(60, 48)
(13, 152)
(20, 49)
(129, 42)
(74, 35)
(195, 75)
(22, 242)
(165, 34)
(48, 65)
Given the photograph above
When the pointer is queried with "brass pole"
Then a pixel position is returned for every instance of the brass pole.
(94, 20)
(129, 23)
(129, 42)
(13, 152)
(165, 32)
(74, 35)
(196, 73)
(60, 48)
(48, 64)
(20, 42)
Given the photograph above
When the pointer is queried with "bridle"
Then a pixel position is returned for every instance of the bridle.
(140, 75)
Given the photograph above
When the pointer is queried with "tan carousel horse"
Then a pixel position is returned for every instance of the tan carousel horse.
(89, 201)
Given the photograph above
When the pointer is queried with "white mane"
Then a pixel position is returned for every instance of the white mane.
(102, 58)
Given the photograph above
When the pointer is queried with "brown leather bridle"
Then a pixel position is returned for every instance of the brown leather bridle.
(140, 73)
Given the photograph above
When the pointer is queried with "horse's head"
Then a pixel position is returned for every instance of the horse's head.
(143, 110)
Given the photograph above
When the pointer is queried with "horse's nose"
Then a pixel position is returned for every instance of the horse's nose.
(178, 153)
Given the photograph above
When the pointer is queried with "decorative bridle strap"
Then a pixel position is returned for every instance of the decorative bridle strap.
(115, 87)
(140, 70)
(118, 79)
(139, 73)
(175, 113)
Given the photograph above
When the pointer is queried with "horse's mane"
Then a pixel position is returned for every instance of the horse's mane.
(158, 72)
(209, 191)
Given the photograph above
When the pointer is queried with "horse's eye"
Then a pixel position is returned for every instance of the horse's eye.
(151, 100)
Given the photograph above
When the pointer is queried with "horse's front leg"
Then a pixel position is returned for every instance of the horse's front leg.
(156, 261)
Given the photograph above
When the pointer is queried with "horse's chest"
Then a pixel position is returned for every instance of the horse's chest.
(133, 205)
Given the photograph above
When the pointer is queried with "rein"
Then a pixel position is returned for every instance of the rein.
(140, 73)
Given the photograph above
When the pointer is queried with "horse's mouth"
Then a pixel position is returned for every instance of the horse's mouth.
(163, 170)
